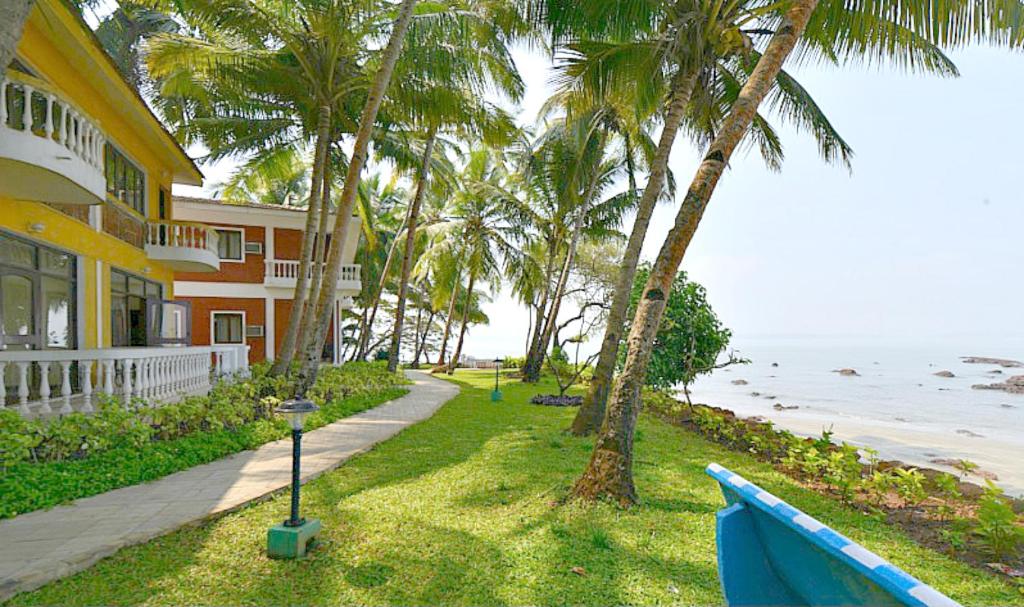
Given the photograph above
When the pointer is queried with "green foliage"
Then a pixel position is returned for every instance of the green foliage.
(466, 508)
(909, 485)
(996, 528)
(842, 470)
(690, 338)
(513, 362)
(76, 455)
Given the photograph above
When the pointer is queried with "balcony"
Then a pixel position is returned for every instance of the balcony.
(185, 247)
(41, 383)
(49, 151)
(285, 273)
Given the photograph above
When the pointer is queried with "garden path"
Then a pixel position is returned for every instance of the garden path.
(41, 546)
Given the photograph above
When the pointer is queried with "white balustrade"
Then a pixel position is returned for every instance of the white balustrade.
(153, 375)
(181, 235)
(49, 131)
(285, 273)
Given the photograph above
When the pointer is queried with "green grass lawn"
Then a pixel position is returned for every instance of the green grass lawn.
(465, 508)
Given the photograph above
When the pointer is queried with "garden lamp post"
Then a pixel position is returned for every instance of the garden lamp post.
(294, 536)
(496, 394)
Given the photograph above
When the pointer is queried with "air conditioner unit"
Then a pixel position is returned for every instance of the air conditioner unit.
(254, 330)
(254, 248)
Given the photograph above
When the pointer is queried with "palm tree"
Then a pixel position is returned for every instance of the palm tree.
(609, 472)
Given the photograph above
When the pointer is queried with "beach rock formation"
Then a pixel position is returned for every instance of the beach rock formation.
(775, 364)
(944, 374)
(739, 382)
(995, 372)
(782, 407)
(1012, 385)
(986, 360)
(966, 432)
(847, 372)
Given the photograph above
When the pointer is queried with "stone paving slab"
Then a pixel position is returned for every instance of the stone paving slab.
(38, 547)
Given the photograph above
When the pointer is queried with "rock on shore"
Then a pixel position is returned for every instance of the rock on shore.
(1012, 385)
(986, 360)
(739, 382)
(944, 374)
(847, 372)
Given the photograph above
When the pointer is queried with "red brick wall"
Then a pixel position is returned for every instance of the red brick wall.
(282, 308)
(255, 314)
(287, 243)
(250, 271)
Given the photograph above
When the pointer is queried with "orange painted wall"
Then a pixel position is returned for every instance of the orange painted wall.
(255, 314)
(282, 308)
(287, 243)
(249, 271)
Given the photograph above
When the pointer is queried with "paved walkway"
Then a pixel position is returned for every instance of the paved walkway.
(39, 547)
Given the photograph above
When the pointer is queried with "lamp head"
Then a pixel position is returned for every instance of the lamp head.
(296, 410)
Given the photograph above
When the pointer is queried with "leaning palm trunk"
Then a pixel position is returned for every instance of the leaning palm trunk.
(465, 323)
(448, 323)
(534, 353)
(317, 267)
(410, 246)
(364, 339)
(588, 418)
(291, 333)
(13, 15)
(332, 273)
(610, 470)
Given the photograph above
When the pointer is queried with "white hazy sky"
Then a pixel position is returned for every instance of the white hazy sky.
(925, 239)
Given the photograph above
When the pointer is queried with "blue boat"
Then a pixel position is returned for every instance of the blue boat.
(770, 553)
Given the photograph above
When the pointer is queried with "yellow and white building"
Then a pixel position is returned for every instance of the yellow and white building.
(88, 240)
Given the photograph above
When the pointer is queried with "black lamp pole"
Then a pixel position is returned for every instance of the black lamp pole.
(294, 520)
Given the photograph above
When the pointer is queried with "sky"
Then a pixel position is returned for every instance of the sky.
(922, 240)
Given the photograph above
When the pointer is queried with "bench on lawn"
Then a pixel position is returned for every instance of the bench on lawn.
(770, 553)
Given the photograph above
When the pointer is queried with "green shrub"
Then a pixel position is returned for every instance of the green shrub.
(996, 527)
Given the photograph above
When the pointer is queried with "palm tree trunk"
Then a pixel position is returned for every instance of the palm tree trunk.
(364, 340)
(291, 333)
(465, 323)
(13, 15)
(421, 338)
(311, 357)
(410, 251)
(448, 323)
(591, 412)
(610, 470)
(317, 267)
(534, 354)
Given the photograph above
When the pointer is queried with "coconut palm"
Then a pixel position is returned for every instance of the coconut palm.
(843, 30)
(428, 57)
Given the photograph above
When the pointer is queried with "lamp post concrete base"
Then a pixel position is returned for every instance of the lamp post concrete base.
(284, 542)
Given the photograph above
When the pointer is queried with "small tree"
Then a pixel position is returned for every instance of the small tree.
(567, 374)
(690, 339)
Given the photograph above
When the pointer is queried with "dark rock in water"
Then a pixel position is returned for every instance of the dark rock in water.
(995, 372)
(770, 397)
(902, 419)
(553, 400)
(775, 364)
(739, 382)
(944, 374)
(846, 372)
(985, 360)
(1006, 406)
(782, 407)
(969, 433)
(1013, 385)
(755, 394)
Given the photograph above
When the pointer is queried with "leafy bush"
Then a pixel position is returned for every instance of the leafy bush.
(514, 362)
(51, 461)
(996, 527)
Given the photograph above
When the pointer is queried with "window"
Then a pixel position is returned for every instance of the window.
(125, 181)
(128, 294)
(229, 245)
(37, 296)
(228, 327)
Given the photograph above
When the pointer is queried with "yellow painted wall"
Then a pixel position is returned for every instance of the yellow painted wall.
(66, 233)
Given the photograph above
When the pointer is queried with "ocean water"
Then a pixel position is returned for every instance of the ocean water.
(896, 404)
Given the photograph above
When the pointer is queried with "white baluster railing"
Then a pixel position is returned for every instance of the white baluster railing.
(285, 273)
(181, 235)
(49, 131)
(153, 375)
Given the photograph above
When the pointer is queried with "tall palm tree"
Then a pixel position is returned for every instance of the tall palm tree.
(609, 472)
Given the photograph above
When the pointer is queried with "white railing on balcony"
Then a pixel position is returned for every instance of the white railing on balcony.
(184, 246)
(181, 235)
(39, 383)
(42, 129)
(285, 273)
